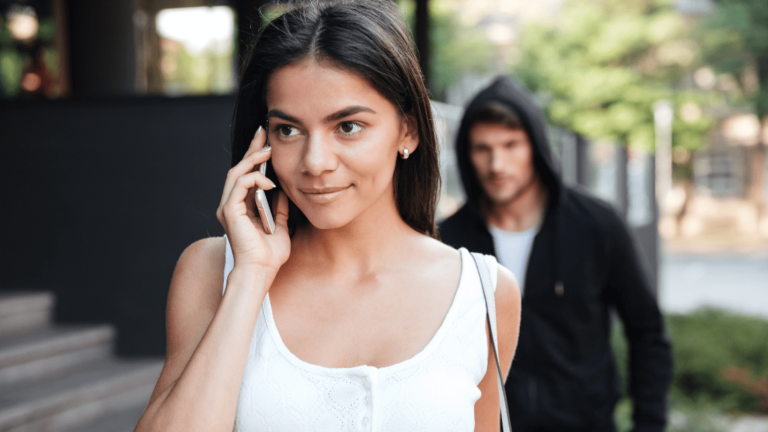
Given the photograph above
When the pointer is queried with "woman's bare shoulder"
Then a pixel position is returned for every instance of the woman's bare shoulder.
(203, 257)
(507, 287)
(439, 251)
(435, 258)
(199, 276)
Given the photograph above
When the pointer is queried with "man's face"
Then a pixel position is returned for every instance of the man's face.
(503, 160)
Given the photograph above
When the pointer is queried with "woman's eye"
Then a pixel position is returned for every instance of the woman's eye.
(350, 128)
(287, 130)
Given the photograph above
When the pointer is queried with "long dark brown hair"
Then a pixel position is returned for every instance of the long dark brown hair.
(368, 38)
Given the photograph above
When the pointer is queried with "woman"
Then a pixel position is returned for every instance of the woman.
(351, 317)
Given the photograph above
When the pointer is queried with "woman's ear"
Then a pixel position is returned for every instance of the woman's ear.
(409, 135)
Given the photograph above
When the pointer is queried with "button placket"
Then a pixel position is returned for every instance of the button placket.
(369, 383)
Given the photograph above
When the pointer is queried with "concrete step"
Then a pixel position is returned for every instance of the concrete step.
(51, 351)
(23, 311)
(124, 421)
(82, 396)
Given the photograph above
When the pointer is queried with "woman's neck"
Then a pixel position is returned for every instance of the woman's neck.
(369, 241)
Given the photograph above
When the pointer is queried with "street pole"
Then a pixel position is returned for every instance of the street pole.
(662, 117)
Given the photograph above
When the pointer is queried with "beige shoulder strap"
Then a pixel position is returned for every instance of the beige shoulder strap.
(490, 306)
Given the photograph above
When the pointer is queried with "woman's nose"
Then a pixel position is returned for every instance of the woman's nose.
(319, 156)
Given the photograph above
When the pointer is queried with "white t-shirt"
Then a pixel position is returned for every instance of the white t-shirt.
(513, 249)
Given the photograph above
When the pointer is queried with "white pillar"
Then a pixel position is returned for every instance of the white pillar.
(662, 117)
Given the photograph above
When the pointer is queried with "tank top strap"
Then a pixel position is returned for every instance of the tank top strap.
(489, 262)
(229, 263)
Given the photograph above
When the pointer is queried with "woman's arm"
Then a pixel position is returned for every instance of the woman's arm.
(208, 341)
(209, 335)
(508, 304)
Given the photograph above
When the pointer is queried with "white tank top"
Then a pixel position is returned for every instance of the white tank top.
(435, 390)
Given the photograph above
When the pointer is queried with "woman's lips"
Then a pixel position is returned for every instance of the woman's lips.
(324, 195)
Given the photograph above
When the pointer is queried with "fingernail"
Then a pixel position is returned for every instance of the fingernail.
(257, 132)
(266, 149)
(273, 184)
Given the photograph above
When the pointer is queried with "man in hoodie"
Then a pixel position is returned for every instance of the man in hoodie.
(575, 260)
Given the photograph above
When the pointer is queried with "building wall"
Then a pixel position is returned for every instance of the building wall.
(99, 199)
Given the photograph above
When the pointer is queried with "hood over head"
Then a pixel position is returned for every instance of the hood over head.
(507, 91)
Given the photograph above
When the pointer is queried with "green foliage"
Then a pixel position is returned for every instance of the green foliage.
(601, 65)
(10, 70)
(10, 62)
(207, 72)
(698, 419)
(735, 40)
(455, 49)
(47, 29)
(710, 343)
(689, 418)
(713, 349)
(623, 415)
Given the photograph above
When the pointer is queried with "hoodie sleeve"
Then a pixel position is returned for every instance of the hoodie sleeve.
(650, 353)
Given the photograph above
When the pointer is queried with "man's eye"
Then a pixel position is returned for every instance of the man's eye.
(350, 128)
(287, 130)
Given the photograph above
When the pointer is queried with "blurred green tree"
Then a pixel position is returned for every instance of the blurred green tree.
(735, 42)
(455, 48)
(11, 62)
(600, 65)
(14, 55)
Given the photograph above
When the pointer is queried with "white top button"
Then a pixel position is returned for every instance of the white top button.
(365, 421)
(367, 399)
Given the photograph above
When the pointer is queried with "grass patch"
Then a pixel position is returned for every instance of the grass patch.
(720, 366)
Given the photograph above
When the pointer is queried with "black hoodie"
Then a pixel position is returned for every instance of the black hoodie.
(583, 262)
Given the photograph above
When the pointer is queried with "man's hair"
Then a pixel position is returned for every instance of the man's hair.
(496, 113)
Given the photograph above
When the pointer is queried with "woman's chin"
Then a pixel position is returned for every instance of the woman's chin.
(326, 220)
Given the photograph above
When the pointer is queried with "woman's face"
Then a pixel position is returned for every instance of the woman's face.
(335, 141)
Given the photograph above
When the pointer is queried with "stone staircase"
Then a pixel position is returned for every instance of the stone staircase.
(64, 378)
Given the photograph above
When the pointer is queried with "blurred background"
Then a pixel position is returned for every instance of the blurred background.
(114, 129)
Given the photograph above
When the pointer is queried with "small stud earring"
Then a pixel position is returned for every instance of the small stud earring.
(405, 153)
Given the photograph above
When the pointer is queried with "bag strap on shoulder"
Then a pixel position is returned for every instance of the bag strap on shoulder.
(490, 307)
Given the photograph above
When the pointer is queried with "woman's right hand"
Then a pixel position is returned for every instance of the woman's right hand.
(254, 250)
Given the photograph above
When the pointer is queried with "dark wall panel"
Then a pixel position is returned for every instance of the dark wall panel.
(99, 198)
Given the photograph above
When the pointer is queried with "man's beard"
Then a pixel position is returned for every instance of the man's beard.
(518, 193)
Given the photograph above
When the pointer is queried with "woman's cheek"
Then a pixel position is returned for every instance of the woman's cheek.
(374, 158)
(282, 169)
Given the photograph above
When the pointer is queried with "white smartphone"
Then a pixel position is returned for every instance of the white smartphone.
(262, 205)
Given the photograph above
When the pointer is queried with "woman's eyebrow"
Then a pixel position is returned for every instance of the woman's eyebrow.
(282, 115)
(331, 118)
(347, 112)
